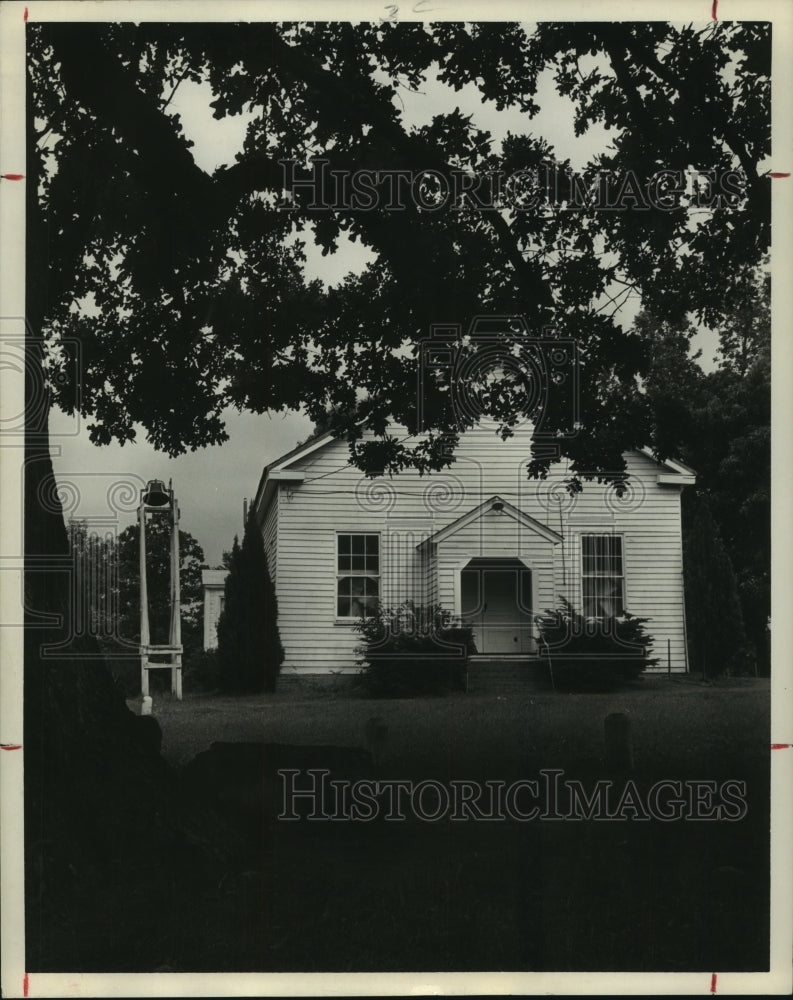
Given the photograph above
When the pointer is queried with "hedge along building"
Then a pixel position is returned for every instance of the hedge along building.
(491, 546)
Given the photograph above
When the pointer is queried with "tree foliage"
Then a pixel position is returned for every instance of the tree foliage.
(717, 641)
(94, 560)
(158, 577)
(201, 297)
(719, 422)
(732, 452)
(249, 646)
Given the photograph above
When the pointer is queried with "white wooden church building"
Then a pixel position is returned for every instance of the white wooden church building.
(491, 546)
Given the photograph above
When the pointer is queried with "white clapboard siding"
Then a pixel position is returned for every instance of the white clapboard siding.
(302, 520)
(213, 581)
(270, 534)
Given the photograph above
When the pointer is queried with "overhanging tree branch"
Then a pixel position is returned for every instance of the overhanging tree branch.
(359, 107)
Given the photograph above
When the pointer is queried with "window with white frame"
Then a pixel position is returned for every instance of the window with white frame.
(603, 578)
(357, 574)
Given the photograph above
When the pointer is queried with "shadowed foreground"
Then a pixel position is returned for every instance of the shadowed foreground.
(415, 895)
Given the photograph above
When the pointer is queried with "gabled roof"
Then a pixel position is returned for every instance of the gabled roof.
(683, 475)
(271, 472)
(305, 448)
(677, 474)
(490, 504)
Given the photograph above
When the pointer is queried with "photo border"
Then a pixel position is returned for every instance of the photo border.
(16, 981)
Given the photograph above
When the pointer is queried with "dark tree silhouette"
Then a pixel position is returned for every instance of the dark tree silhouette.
(719, 422)
(716, 635)
(202, 304)
(249, 646)
(731, 449)
(158, 563)
(94, 557)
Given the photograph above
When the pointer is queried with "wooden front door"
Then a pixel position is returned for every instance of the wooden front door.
(496, 601)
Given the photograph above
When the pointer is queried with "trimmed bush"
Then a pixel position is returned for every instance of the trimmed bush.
(589, 653)
(413, 650)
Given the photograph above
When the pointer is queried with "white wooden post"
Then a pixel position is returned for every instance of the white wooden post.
(144, 603)
(176, 604)
(161, 503)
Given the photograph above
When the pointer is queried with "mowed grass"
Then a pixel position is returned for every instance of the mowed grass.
(445, 896)
(675, 723)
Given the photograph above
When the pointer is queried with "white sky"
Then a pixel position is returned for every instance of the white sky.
(211, 483)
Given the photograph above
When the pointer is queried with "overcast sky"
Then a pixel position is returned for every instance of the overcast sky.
(210, 484)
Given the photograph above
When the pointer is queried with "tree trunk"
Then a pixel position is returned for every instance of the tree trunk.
(99, 799)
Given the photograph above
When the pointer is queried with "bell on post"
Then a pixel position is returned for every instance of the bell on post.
(155, 494)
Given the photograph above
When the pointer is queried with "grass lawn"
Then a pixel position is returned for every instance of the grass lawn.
(542, 895)
(677, 723)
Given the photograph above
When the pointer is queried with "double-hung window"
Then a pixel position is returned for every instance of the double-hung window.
(357, 574)
(603, 578)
